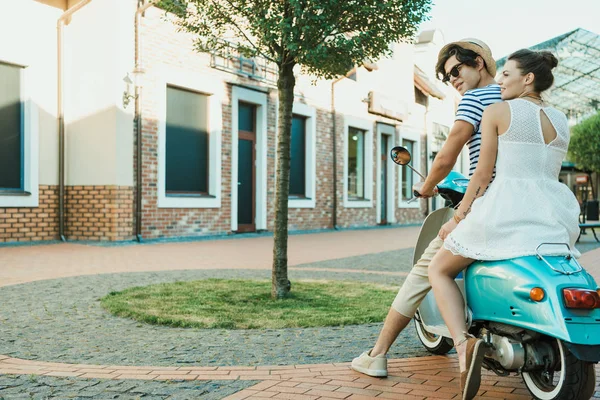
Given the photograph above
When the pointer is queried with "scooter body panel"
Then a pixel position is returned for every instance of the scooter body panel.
(430, 229)
(428, 310)
(498, 291)
(430, 316)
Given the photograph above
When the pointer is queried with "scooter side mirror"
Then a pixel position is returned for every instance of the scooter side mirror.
(400, 155)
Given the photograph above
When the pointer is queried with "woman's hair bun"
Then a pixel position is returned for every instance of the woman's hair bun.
(539, 63)
(549, 59)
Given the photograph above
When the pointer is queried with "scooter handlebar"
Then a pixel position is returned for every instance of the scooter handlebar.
(417, 195)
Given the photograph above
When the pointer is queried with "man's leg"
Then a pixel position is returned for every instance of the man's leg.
(409, 297)
(413, 291)
(393, 325)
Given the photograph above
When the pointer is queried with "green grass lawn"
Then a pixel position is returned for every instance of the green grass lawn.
(247, 304)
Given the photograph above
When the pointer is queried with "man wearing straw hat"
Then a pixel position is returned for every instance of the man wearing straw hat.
(469, 67)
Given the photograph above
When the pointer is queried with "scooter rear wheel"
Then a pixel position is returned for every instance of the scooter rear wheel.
(435, 344)
(572, 378)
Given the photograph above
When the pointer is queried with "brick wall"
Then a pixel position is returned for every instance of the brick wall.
(319, 217)
(164, 47)
(91, 213)
(99, 213)
(32, 223)
(107, 212)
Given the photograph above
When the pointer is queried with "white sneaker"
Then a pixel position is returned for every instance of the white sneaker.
(372, 366)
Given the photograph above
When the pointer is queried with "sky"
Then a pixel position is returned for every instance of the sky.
(509, 25)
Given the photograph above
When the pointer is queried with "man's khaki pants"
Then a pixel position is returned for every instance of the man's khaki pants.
(416, 286)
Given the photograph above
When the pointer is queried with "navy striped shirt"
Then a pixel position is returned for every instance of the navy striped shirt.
(470, 109)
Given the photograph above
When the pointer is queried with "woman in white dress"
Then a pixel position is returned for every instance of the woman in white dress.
(524, 206)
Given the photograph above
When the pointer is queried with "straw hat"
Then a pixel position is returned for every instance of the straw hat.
(478, 47)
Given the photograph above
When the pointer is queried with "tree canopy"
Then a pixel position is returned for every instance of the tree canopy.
(326, 37)
(584, 149)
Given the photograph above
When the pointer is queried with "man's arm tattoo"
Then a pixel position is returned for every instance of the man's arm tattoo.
(468, 210)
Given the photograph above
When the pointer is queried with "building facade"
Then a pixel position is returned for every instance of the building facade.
(208, 131)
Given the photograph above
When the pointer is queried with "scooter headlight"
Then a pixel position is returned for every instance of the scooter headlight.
(581, 298)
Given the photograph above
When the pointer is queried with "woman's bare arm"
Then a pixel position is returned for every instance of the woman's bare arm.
(487, 158)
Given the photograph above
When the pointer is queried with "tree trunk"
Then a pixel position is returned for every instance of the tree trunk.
(285, 85)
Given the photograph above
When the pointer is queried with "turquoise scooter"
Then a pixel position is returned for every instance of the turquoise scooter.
(539, 315)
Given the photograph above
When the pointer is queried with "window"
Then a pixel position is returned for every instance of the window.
(410, 138)
(359, 152)
(187, 143)
(356, 164)
(11, 128)
(19, 143)
(298, 157)
(303, 163)
(247, 117)
(440, 133)
(190, 126)
(407, 173)
(420, 97)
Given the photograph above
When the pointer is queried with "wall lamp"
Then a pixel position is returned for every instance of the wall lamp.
(132, 82)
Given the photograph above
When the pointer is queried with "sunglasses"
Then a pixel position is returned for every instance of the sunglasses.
(455, 71)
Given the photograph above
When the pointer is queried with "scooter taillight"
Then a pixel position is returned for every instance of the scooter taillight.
(581, 298)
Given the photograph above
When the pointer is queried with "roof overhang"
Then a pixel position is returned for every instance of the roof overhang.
(425, 85)
(62, 4)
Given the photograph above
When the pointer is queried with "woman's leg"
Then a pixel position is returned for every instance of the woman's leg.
(443, 269)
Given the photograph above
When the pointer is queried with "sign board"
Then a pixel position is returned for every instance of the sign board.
(380, 104)
(581, 179)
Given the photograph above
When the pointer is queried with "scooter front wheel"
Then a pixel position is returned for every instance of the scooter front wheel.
(570, 379)
(435, 344)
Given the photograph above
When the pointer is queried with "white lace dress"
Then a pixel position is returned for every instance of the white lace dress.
(525, 205)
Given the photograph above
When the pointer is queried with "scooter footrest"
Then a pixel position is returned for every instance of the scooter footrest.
(490, 365)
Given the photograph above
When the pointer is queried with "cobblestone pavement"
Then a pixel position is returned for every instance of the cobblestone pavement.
(26, 387)
(61, 320)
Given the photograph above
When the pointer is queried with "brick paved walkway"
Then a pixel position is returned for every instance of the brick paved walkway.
(410, 378)
(30, 263)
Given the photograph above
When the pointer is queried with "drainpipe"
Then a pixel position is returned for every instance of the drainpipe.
(138, 119)
(334, 137)
(61, 115)
(426, 119)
